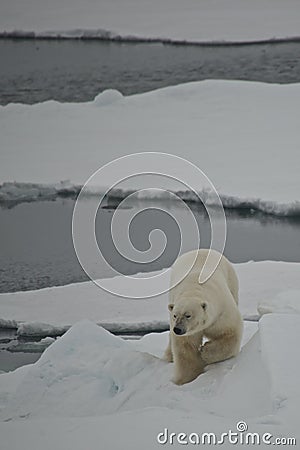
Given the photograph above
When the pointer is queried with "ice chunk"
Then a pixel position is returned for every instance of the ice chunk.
(31, 347)
(108, 97)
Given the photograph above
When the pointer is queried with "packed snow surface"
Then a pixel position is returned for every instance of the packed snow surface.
(243, 135)
(51, 311)
(92, 389)
(166, 20)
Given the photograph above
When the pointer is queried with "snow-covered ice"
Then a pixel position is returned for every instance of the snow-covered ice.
(88, 360)
(167, 20)
(91, 387)
(243, 135)
(51, 311)
(287, 302)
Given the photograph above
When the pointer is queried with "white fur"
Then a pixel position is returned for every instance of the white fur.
(202, 310)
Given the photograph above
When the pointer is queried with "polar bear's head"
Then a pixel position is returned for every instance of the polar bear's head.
(192, 315)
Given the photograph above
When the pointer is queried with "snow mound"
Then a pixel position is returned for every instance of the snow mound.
(9, 383)
(287, 302)
(90, 383)
(108, 97)
(91, 372)
(86, 372)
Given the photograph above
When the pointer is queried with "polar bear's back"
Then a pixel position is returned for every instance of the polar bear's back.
(196, 260)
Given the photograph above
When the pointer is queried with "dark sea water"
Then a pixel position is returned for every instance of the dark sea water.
(37, 249)
(74, 71)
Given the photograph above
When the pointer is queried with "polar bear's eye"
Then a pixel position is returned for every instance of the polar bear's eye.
(188, 316)
(174, 315)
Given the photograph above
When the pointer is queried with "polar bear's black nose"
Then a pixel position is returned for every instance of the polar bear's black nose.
(178, 330)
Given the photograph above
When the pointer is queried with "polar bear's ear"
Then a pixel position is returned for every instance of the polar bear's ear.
(204, 306)
(171, 306)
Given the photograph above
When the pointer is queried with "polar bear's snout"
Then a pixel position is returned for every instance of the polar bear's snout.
(179, 330)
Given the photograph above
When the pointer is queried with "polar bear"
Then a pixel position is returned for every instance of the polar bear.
(198, 311)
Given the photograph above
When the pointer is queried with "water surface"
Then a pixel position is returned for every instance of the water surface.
(37, 248)
(75, 71)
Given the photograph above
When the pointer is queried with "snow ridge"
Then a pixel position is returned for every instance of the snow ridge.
(107, 35)
(12, 193)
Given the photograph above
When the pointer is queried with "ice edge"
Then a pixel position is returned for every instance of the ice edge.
(12, 193)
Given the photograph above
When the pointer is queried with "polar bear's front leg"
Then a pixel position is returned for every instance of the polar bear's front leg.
(188, 365)
(221, 348)
(168, 356)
